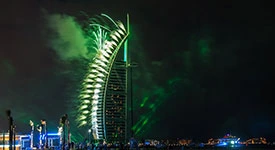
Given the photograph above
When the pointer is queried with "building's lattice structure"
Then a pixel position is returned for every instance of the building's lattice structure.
(103, 96)
(115, 117)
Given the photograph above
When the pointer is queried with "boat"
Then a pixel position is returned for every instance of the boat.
(228, 140)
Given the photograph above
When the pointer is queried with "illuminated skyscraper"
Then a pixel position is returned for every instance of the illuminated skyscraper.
(103, 99)
(115, 118)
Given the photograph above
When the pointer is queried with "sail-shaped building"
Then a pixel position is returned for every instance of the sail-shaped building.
(103, 98)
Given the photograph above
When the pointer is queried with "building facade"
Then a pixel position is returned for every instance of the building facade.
(116, 110)
(103, 98)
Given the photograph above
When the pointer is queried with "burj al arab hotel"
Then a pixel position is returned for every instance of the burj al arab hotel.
(103, 97)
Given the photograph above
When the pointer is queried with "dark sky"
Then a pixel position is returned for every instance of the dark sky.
(204, 68)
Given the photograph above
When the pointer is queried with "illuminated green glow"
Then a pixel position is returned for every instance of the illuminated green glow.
(126, 42)
(68, 41)
(145, 99)
(204, 47)
(150, 102)
(152, 106)
(125, 50)
(145, 121)
(204, 50)
(172, 81)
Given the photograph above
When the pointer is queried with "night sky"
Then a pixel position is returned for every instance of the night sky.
(204, 68)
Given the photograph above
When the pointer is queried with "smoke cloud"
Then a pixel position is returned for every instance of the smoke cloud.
(66, 37)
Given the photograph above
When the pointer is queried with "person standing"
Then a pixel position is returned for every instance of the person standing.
(32, 131)
(45, 133)
(42, 128)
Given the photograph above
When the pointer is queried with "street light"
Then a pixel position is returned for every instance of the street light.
(10, 119)
(89, 135)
